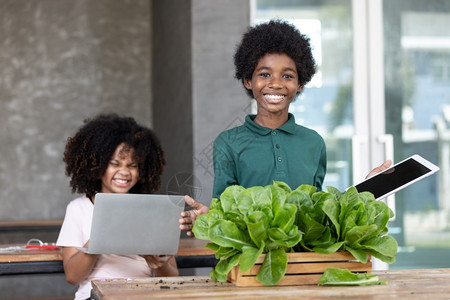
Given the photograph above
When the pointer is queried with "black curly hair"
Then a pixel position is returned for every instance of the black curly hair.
(275, 36)
(88, 152)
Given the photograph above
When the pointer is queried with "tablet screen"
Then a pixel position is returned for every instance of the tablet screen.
(394, 178)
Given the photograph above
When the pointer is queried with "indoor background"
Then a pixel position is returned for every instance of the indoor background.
(382, 91)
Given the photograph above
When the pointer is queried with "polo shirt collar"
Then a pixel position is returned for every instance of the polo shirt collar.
(288, 127)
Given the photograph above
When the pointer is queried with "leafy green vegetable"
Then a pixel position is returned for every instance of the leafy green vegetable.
(275, 220)
(273, 267)
(356, 221)
(337, 276)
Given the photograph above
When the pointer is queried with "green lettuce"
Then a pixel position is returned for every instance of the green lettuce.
(274, 220)
(337, 276)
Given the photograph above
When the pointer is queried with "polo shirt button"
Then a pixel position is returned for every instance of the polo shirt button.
(279, 159)
(274, 133)
(278, 146)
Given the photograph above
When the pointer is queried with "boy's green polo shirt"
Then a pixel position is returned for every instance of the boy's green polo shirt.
(253, 155)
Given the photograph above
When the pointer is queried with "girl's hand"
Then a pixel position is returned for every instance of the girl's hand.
(156, 261)
(188, 217)
(163, 265)
(77, 264)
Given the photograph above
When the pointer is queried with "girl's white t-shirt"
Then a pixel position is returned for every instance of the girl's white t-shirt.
(75, 232)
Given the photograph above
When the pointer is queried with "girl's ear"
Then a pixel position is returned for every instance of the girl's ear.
(299, 88)
(248, 84)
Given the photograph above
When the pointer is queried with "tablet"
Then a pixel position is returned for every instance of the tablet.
(397, 177)
(135, 224)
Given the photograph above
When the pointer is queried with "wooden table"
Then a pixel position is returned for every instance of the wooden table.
(191, 254)
(402, 284)
(30, 225)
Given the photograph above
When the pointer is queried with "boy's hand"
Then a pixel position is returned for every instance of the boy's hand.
(380, 168)
(188, 217)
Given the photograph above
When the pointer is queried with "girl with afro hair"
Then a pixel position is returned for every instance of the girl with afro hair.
(108, 154)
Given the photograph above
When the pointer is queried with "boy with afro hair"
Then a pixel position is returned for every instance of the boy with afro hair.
(274, 62)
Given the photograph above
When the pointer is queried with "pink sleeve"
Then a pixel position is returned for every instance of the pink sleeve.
(71, 233)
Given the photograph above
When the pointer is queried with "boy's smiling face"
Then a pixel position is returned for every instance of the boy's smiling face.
(274, 84)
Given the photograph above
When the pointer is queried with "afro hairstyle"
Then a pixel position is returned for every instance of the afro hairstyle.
(274, 37)
(88, 152)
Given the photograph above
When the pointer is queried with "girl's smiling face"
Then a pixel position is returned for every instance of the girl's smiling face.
(274, 83)
(122, 172)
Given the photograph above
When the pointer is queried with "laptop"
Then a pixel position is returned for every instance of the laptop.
(135, 224)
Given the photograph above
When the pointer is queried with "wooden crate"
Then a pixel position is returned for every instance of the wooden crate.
(303, 268)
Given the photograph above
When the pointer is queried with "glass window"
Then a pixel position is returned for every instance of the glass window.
(417, 93)
(416, 52)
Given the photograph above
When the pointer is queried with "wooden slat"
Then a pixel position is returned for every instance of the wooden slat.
(286, 280)
(30, 255)
(304, 268)
(313, 256)
(28, 223)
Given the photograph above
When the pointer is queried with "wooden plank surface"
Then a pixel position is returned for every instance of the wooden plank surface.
(28, 255)
(17, 253)
(402, 284)
(31, 223)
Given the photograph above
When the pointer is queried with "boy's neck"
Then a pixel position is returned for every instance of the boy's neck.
(272, 121)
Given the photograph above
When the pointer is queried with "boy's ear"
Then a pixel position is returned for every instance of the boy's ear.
(299, 88)
(248, 84)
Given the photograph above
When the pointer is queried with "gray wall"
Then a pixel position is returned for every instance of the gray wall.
(219, 100)
(172, 86)
(196, 95)
(62, 62)
(167, 63)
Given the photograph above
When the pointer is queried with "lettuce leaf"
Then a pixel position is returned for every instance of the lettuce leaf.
(337, 276)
